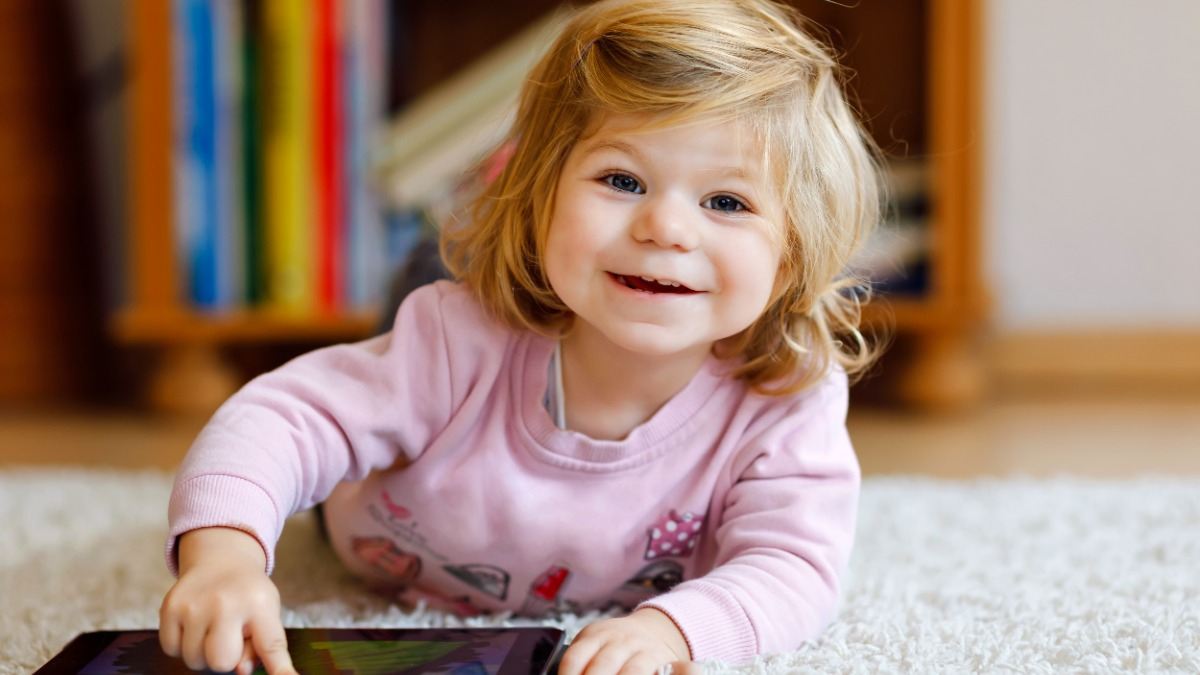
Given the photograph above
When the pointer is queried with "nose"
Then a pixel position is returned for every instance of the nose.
(666, 221)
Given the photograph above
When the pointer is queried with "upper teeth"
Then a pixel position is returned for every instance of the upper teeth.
(664, 283)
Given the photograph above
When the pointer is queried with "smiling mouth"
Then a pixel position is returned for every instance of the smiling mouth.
(648, 285)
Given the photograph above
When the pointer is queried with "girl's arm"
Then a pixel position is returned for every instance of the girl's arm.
(279, 446)
(283, 442)
(784, 537)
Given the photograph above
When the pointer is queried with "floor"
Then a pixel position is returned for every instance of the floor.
(1078, 435)
(1084, 437)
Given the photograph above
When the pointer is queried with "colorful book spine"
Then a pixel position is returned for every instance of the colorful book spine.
(230, 177)
(327, 114)
(279, 103)
(253, 245)
(363, 84)
(195, 149)
(288, 155)
(207, 137)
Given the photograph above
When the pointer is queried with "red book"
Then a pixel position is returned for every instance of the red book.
(328, 149)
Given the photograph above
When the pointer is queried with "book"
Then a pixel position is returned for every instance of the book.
(194, 95)
(365, 62)
(279, 107)
(327, 141)
(437, 138)
(287, 155)
(253, 235)
(207, 171)
(230, 176)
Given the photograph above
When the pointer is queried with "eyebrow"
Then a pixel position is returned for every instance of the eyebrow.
(611, 144)
(629, 149)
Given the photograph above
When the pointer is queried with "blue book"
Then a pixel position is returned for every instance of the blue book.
(205, 210)
(195, 149)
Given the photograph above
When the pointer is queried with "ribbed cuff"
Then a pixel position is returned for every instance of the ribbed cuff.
(222, 501)
(711, 620)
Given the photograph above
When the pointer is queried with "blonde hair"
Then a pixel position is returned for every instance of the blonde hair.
(679, 61)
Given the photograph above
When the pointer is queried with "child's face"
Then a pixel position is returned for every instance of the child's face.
(686, 207)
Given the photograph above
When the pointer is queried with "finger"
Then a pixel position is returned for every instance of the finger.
(191, 647)
(610, 660)
(270, 644)
(579, 653)
(247, 662)
(224, 646)
(170, 625)
(169, 634)
(639, 664)
(684, 668)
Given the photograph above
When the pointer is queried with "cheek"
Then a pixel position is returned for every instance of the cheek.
(561, 254)
(757, 266)
(754, 268)
(575, 236)
(553, 262)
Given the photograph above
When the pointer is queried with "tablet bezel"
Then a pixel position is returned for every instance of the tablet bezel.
(522, 659)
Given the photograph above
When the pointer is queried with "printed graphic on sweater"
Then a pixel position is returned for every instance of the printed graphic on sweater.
(656, 578)
(488, 579)
(394, 510)
(383, 554)
(398, 520)
(653, 580)
(544, 592)
(673, 535)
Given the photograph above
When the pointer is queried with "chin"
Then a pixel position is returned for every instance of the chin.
(659, 346)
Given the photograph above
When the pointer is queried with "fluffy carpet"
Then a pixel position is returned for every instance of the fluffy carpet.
(1014, 575)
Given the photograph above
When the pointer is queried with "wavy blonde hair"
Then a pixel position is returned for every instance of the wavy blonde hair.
(679, 61)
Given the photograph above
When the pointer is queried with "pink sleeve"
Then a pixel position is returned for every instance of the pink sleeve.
(283, 442)
(784, 539)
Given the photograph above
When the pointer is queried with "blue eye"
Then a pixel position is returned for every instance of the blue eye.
(624, 183)
(726, 203)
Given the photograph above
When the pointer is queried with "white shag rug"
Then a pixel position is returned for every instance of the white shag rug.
(988, 575)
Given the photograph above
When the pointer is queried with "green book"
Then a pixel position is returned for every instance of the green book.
(255, 286)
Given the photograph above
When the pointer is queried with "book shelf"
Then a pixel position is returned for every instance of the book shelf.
(938, 367)
(191, 375)
(942, 366)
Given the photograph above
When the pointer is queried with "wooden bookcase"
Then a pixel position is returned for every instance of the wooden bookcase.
(943, 368)
(938, 369)
(935, 362)
(191, 375)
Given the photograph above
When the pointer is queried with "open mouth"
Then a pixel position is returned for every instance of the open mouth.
(648, 285)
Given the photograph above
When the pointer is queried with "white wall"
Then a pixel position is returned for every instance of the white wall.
(1092, 175)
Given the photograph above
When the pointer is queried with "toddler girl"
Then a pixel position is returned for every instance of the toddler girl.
(633, 396)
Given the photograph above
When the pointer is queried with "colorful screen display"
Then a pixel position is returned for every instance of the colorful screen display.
(337, 651)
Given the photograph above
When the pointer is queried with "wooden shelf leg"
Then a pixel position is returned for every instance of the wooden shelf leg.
(944, 371)
(192, 379)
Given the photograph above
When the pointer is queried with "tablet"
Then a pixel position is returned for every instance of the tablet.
(340, 651)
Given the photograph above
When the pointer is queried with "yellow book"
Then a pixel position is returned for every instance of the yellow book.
(287, 155)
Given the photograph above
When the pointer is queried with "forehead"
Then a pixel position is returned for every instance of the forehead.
(731, 144)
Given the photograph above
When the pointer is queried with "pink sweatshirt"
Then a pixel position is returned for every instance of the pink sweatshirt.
(730, 511)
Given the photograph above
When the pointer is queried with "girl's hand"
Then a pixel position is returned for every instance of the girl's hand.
(223, 612)
(646, 641)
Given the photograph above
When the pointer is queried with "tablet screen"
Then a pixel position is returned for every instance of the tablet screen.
(341, 651)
